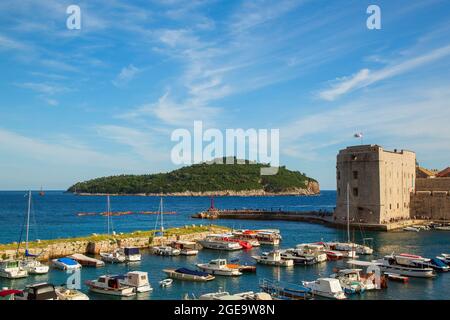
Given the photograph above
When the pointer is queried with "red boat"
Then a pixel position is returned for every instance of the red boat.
(244, 244)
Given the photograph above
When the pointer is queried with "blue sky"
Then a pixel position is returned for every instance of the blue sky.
(103, 100)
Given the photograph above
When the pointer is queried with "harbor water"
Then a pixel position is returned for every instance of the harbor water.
(55, 216)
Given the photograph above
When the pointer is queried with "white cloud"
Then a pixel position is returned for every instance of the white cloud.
(365, 77)
(126, 75)
(8, 44)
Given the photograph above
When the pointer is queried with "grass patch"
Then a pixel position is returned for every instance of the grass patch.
(101, 237)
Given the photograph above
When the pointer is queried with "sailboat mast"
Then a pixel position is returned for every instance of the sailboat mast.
(162, 215)
(348, 212)
(28, 220)
(108, 210)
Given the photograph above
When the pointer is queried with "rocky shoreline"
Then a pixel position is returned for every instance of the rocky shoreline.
(311, 190)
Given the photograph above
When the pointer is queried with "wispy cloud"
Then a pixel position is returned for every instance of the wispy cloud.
(366, 77)
(126, 75)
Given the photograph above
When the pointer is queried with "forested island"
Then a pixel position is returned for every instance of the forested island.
(204, 179)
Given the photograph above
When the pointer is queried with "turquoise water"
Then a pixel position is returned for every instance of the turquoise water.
(55, 216)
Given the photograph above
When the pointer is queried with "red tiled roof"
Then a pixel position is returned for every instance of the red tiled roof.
(444, 173)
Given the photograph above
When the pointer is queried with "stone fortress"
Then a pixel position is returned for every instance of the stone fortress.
(387, 187)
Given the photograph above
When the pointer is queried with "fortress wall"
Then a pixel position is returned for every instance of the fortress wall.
(433, 205)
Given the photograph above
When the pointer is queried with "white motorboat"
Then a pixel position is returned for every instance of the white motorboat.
(218, 267)
(297, 256)
(215, 242)
(38, 291)
(65, 264)
(137, 280)
(350, 246)
(187, 248)
(413, 229)
(131, 254)
(70, 294)
(316, 250)
(223, 295)
(34, 266)
(351, 280)
(166, 251)
(12, 269)
(326, 287)
(110, 285)
(113, 257)
(258, 237)
(166, 282)
(405, 265)
(273, 258)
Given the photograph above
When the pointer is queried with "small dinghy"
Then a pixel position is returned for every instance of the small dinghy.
(188, 274)
(65, 264)
(166, 283)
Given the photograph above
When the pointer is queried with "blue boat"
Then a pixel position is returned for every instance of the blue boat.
(288, 291)
(65, 264)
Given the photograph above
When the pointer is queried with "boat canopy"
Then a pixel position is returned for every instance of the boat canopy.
(192, 272)
(27, 254)
(68, 261)
(9, 292)
(363, 263)
(130, 251)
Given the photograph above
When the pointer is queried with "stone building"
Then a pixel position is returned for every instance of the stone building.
(431, 199)
(379, 184)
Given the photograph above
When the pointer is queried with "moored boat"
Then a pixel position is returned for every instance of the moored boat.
(131, 254)
(281, 291)
(397, 277)
(445, 257)
(350, 280)
(166, 251)
(11, 269)
(136, 279)
(216, 243)
(297, 256)
(86, 261)
(326, 287)
(70, 294)
(187, 248)
(113, 257)
(405, 265)
(219, 267)
(223, 295)
(166, 282)
(65, 264)
(273, 258)
(411, 229)
(110, 285)
(38, 291)
(188, 274)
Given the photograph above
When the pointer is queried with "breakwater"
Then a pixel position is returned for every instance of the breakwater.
(49, 249)
(320, 217)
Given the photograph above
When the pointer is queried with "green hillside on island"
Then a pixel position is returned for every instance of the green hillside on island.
(200, 178)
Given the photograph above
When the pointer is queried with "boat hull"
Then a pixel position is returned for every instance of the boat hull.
(410, 272)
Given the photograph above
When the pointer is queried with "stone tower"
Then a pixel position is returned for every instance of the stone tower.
(380, 183)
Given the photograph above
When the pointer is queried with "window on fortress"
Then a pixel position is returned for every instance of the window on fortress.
(355, 192)
(398, 206)
(339, 175)
(355, 174)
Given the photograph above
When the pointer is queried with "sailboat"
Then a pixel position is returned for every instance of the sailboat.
(350, 249)
(163, 250)
(116, 256)
(30, 262)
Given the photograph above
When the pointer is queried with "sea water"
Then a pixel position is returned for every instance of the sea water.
(54, 215)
